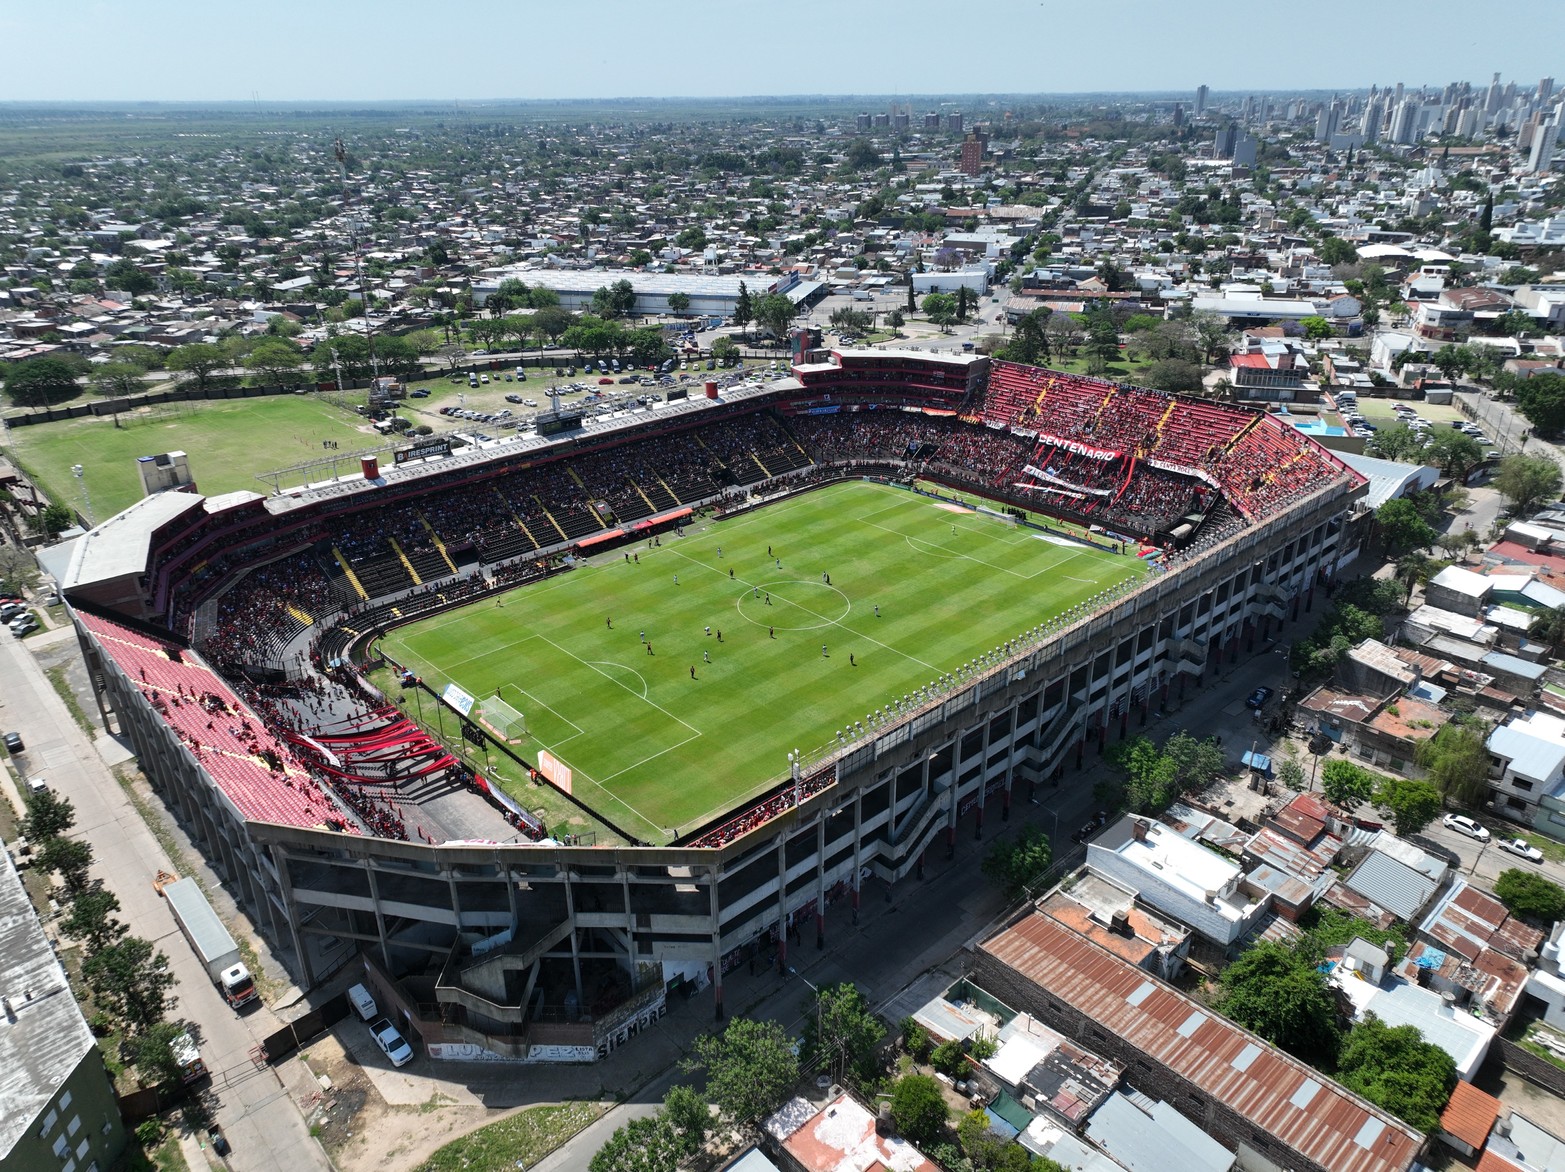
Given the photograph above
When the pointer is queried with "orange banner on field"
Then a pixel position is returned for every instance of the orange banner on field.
(555, 770)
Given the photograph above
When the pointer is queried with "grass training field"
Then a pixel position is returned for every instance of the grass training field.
(655, 750)
(229, 441)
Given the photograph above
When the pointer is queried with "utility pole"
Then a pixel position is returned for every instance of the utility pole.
(341, 153)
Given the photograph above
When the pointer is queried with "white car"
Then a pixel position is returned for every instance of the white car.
(391, 1042)
(1462, 824)
(1521, 848)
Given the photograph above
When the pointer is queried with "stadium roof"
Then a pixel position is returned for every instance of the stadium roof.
(1321, 1120)
(43, 1036)
(118, 547)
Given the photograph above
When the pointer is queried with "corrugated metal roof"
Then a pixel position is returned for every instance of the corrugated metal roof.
(1144, 1143)
(1098, 984)
(1392, 885)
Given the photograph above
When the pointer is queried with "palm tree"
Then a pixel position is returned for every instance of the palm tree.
(1413, 568)
(1549, 625)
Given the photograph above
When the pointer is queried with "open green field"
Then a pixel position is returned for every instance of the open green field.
(656, 749)
(229, 442)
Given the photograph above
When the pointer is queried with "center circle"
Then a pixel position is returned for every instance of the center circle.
(797, 605)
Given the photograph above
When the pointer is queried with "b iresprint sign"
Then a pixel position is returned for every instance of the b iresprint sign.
(423, 451)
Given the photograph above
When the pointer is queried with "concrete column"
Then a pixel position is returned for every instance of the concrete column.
(570, 915)
(820, 884)
(782, 904)
(717, 946)
(380, 919)
(858, 846)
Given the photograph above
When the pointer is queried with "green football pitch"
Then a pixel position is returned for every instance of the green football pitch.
(917, 588)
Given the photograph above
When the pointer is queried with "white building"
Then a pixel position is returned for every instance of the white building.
(1178, 877)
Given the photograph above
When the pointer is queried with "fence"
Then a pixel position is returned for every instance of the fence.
(101, 407)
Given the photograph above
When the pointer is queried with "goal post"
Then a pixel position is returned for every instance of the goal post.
(505, 722)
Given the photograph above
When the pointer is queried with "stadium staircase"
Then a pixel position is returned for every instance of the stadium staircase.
(642, 493)
(789, 459)
(579, 522)
(348, 574)
(428, 563)
(592, 507)
(520, 524)
(745, 474)
(548, 516)
(396, 548)
(686, 489)
(382, 575)
(439, 545)
(660, 496)
(304, 618)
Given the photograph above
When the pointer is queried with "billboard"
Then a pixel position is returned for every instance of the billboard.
(458, 699)
(555, 770)
(439, 445)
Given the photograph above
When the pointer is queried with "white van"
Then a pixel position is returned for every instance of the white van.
(363, 1004)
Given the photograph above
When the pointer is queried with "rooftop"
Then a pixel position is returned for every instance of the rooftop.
(43, 1036)
(841, 1137)
(1173, 860)
(1314, 1116)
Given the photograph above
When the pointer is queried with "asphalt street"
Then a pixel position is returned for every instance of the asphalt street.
(264, 1126)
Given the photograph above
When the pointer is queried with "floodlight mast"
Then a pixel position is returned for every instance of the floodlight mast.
(341, 154)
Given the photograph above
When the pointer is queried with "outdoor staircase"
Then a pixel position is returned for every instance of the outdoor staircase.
(347, 572)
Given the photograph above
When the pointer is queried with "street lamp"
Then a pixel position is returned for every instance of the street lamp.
(79, 472)
(820, 1041)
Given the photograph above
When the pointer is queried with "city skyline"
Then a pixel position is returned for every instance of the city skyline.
(173, 50)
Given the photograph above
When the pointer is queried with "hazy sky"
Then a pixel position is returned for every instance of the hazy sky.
(287, 50)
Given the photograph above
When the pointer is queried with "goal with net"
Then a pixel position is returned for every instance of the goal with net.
(505, 722)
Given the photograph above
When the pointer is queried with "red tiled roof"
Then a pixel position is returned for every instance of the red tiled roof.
(1470, 1115)
(1333, 1127)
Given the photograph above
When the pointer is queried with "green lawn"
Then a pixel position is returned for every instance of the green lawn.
(229, 441)
(653, 748)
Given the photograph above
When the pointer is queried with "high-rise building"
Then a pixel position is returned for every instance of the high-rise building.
(882, 121)
(1541, 157)
(954, 123)
(1244, 151)
(972, 155)
(1372, 122)
(1404, 120)
(861, 122)
(932, 121)
(1223, 143)
(1179, 116)
(1200, 100)
(899, 121)
(1545, 89)
(1493, 98)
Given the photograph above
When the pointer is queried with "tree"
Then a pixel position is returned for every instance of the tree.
(1346, 784)
(39, 382)
(153, 1054)
(774, 312)
(649, 1144)
(1454, 452)
(679, 302)
(118, 379)
(1399, 442)
(844, 1032)
(1277, 991)
(1212, 334)
(18, 570)
(1549, 626)
(919, 1108)
(1394, 1068)
(48, 816)
(1529, 895)
(1316, 327)
(1291, 774)
(71, 857)
(199, 361)
(1195, 761)
(724, 348)
(132, 980)
(940, 308)
(1541, 399)
(1012, 864)
(92, 920)
(1402, 527)
(124, 276)
(1527, 481)
(398, 356)
(1334, 250)
(750, 1068)
(1174, 375)
(1485, 224)
(551, 322)
(1457, 761)
(1411, 805)
(690, 1114)
(744, 308)
(1149, 774)
(274, 363)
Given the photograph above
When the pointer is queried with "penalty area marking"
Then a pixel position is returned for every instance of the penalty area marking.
(1053, 540)
(948, 508)
(537, 703)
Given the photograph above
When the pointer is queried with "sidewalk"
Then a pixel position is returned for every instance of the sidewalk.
(267, 1132)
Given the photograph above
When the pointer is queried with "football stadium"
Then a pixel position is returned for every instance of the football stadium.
(548, 729)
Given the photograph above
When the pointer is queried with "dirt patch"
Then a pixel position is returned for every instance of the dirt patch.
(361, 1131)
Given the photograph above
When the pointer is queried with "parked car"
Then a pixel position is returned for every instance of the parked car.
(1462, 824)
(513, 398)
(13, 743)
(24, 626)
(1521, 848)
(1258, 698)
(421, 393)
